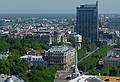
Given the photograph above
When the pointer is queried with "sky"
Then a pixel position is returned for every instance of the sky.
(55, 6)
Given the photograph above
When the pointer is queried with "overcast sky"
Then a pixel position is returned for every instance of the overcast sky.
(55, 6)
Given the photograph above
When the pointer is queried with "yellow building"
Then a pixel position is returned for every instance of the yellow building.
(63, 55)
(110, 78)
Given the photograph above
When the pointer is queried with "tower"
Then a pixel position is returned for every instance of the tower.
(87, 21)
(78, 40)
(50, 39)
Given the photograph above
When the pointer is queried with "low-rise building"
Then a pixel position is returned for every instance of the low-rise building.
(7, 78)
(38, 52)
(33, 59)
(63, 55)
(113, 58)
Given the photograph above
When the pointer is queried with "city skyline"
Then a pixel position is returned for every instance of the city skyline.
(54, 6)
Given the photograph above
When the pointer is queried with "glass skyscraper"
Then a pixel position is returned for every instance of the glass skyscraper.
(87, 21)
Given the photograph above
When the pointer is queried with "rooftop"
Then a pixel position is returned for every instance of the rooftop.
(3, 56)
(62, 48)
(27, 56)
(7, 78)
(110, 78)
(88, 5)
(113, 54)
(86, 78)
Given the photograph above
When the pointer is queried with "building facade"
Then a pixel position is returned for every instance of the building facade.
(57, 37)
(63, 56)
(35, 57)
(113, 58)
(87, 21)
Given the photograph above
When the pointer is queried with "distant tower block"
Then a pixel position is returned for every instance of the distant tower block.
(87, 21)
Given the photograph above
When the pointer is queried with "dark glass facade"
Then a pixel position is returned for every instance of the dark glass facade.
(87, 21)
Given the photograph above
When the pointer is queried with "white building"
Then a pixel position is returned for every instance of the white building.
(33, 59)
(7, 78)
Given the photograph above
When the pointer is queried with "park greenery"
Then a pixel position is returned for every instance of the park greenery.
(43, 73)
(22, 44)
(86, 46)
(90, 64)
(22, 69)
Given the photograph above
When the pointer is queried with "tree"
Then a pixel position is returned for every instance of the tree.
(4, 67)
(90, 63)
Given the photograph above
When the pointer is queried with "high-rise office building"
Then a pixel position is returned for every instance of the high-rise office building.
(87, 21)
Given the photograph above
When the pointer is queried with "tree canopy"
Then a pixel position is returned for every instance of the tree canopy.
(22, 69)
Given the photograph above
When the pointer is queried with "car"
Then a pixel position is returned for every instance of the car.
(69, 76)
(73, 66)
